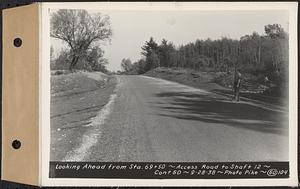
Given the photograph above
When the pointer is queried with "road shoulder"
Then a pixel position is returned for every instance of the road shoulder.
(76, 98)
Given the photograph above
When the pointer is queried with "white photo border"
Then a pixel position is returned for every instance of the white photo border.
(166, 6)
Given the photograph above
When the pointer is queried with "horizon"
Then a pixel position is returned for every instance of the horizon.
(131, 31)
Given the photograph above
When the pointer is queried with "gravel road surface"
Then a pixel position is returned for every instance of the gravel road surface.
(150, 119)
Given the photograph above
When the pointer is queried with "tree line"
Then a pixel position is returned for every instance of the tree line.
(261, 56)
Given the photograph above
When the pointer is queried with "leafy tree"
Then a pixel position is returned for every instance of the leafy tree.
(150, 51)
(152, 61)
(62, 61)
(140, 66)
(95, 59)
(126, 65)
(275, 31)
(79, 30)
(164, 51)
(149, 47)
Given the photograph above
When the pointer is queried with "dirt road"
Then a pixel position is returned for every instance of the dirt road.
(150, 119)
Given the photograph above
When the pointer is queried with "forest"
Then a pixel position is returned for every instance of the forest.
(260, 58)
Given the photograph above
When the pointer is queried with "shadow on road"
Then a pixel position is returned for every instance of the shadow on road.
(211, 109)
(280, 101)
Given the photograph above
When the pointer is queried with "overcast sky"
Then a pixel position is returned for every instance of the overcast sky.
(132, 28)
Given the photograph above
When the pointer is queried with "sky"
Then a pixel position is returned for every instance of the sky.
(132, 28)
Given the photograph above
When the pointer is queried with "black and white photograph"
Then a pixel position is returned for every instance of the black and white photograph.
(179, 86)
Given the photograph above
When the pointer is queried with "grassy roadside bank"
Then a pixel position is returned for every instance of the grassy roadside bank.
(209, 82)
(75, 99)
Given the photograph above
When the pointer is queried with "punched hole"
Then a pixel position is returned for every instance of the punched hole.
(16, 144)
(17, 42)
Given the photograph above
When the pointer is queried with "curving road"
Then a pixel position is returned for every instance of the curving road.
(149, 119)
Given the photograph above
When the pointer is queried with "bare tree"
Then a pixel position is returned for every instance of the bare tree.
(80, 30)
